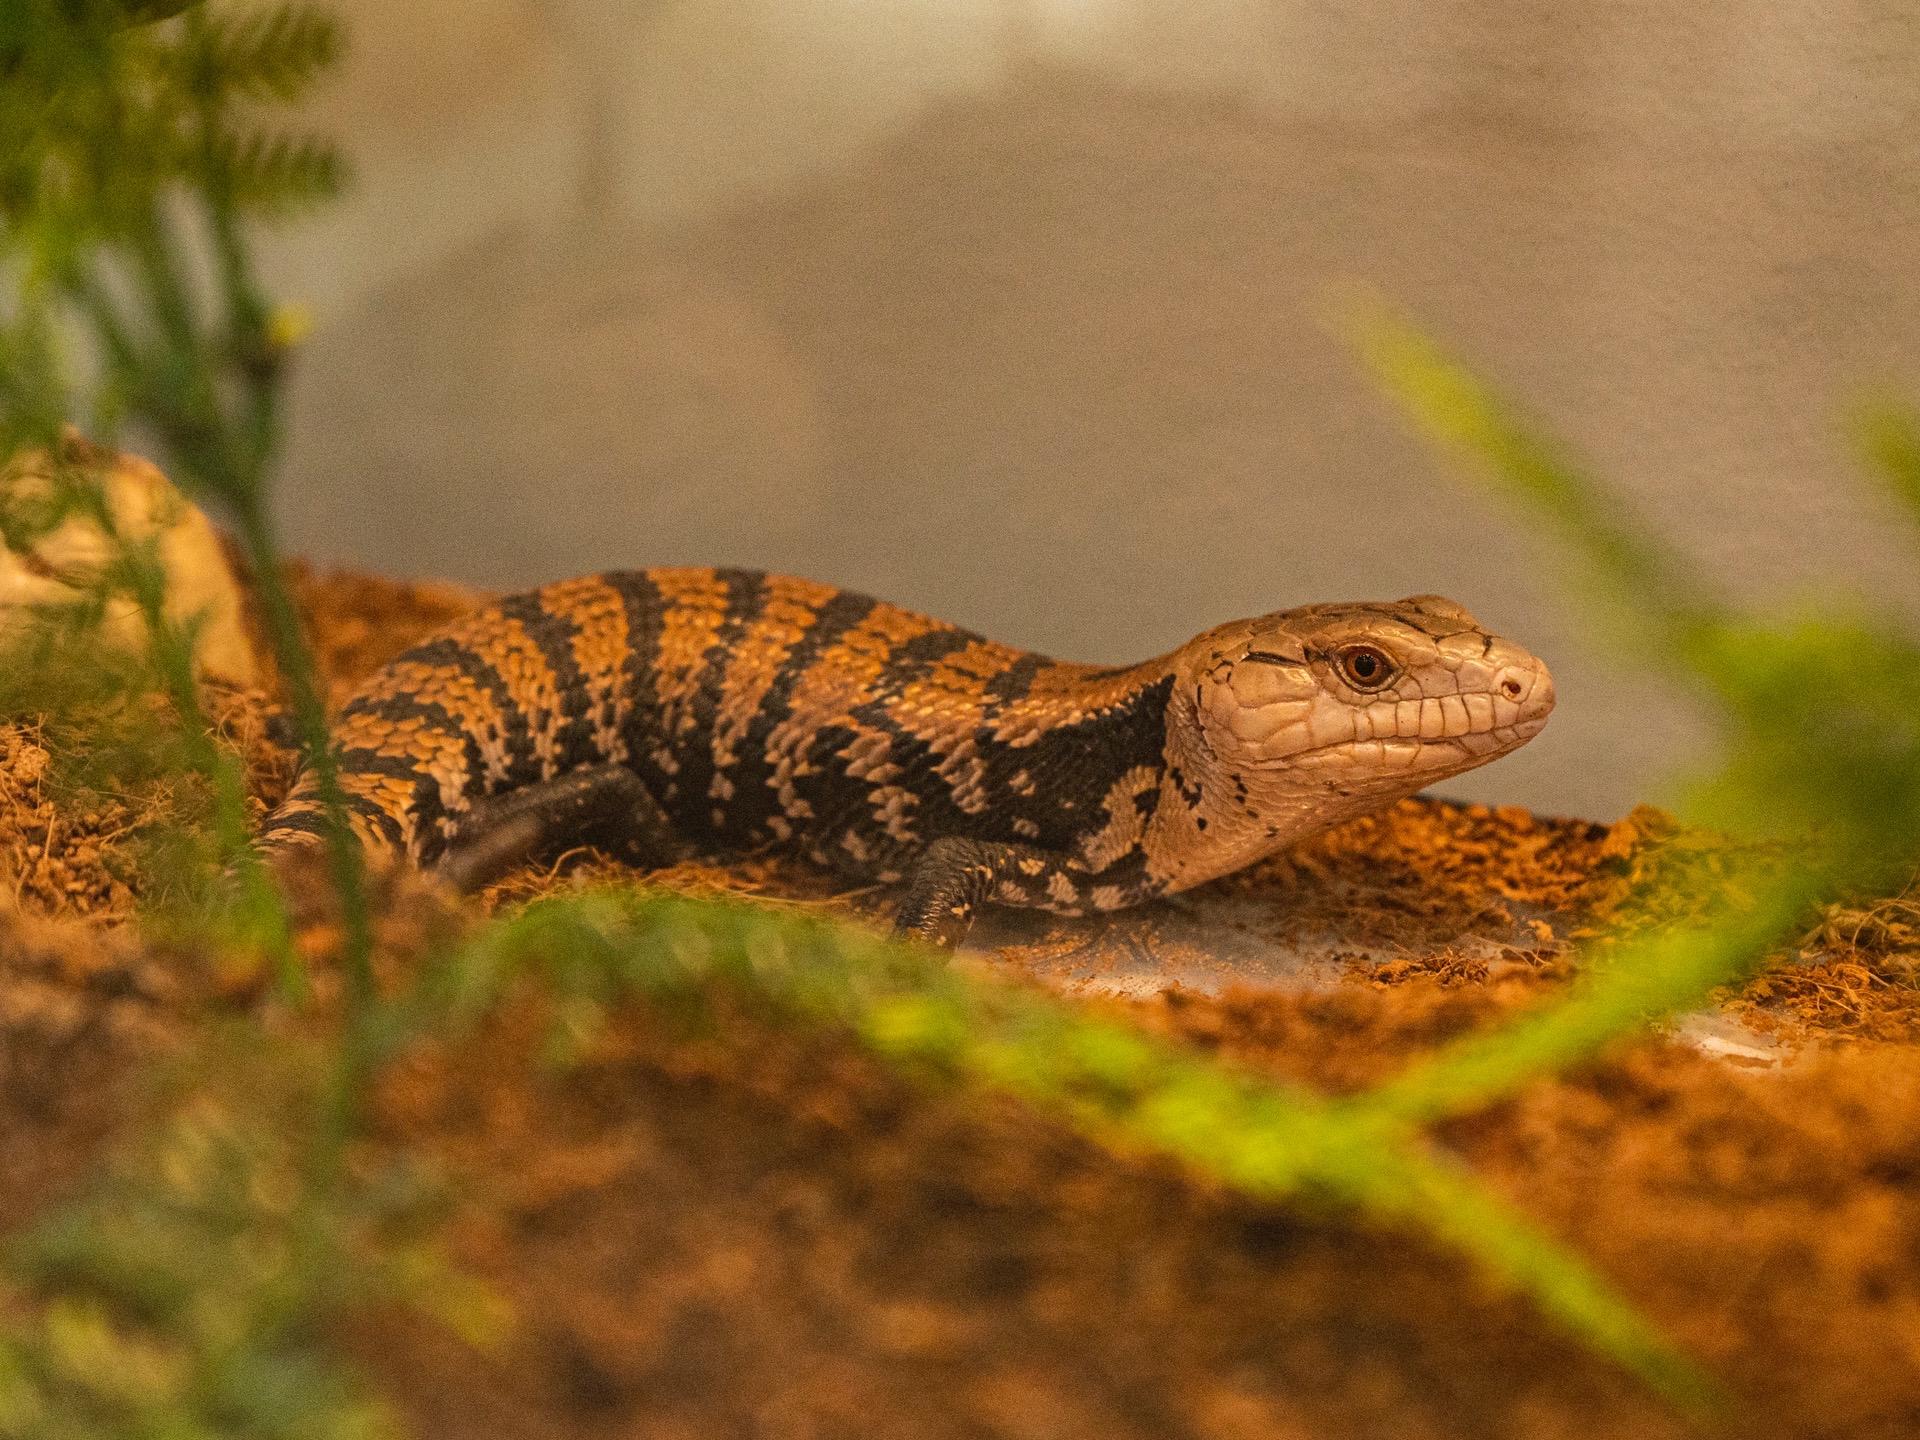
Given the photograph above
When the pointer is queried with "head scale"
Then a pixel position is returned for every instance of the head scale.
(1305, 717)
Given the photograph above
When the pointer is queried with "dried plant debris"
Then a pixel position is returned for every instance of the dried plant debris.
(89, 839)
(1856, 973)
(767, 880)
(59, 859)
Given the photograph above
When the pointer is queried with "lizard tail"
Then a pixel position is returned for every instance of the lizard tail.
(513, 694)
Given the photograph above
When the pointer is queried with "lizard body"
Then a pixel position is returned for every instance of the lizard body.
(739, 711)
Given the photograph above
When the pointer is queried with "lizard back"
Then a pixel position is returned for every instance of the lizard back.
(758, 710)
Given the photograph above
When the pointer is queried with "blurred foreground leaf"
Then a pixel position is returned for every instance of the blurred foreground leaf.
(187, 1294)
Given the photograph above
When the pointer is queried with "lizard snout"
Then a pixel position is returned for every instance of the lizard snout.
(1523, 692)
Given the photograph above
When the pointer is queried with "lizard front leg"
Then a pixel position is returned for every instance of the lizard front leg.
(953, 876)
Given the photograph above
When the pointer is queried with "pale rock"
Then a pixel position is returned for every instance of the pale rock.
(57, 569)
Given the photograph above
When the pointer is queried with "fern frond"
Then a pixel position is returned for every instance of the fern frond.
(269, 55)
(273, 173)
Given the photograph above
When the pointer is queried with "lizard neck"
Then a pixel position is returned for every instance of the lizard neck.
(1211, 818)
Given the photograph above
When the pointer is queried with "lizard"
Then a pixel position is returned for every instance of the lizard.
(736, 711)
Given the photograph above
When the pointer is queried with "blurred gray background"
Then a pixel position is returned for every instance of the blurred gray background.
(1014, 311)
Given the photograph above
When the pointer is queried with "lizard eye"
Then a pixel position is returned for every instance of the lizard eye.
(1364, 667)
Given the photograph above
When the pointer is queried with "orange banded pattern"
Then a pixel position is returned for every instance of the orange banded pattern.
(757, 709)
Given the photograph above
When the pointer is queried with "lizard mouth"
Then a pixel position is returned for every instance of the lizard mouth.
(1397, 754)
(1413, 754)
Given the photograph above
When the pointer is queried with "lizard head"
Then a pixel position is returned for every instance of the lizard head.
(1359, 703)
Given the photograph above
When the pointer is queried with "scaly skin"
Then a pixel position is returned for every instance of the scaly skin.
(738, 711)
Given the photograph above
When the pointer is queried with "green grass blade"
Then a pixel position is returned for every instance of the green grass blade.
(1462, 416)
